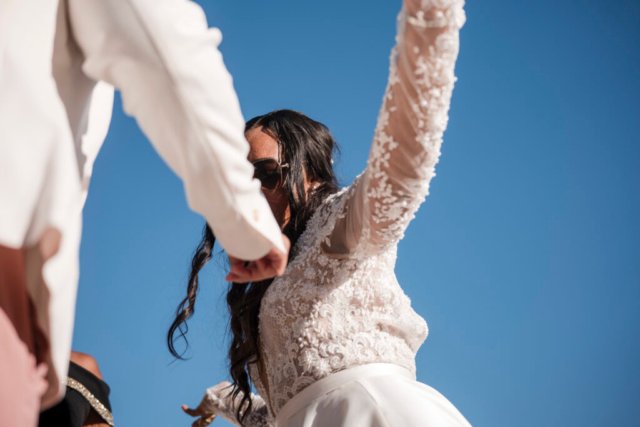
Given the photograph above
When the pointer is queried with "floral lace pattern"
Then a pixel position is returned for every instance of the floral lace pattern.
(219, 401)
(330, 313)
(339, 305)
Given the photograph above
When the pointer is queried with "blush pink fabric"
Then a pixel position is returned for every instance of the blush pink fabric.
(23, 382)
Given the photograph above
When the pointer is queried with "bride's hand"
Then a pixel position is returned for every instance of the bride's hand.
(201, 411)
(211, 405)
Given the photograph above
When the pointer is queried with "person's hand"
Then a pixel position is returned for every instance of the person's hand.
(202, 411)
(270, 265)
(211, 405)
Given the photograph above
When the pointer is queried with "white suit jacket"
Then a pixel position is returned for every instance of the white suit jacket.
(59, 62)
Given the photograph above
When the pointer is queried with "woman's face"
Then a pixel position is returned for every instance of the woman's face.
(264, 147)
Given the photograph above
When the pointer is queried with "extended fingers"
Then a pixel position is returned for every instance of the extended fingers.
(203, 420)
(190, 411)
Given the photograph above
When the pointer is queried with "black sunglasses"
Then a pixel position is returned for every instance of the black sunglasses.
(269, 172)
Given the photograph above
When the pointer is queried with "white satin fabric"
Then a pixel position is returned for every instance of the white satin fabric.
(373, 395)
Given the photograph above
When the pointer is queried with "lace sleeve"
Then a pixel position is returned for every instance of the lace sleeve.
(408, 135)
(218, 401)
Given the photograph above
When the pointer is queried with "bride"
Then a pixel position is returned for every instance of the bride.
(332, 342)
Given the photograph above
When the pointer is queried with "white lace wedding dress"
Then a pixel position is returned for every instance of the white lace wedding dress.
(337, 326)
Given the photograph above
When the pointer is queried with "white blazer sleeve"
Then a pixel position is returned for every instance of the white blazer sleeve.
(166, 63)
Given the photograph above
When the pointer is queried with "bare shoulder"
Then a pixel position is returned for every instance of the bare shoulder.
(87, 361)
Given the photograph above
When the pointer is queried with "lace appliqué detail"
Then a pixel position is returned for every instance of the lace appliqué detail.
(327, 314)
(393, 202)
(219, 402)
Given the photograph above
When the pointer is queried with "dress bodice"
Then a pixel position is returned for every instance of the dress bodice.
(330, 312)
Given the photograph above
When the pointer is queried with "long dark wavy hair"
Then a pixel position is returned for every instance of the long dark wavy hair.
(308, 147)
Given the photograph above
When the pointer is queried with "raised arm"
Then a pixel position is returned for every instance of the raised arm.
(166, 62)
(410, 127)
(218, 402)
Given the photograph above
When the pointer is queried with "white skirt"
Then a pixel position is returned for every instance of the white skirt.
(373, 395)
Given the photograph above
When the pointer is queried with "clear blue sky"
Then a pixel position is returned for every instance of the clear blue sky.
(525, 259)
